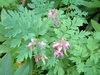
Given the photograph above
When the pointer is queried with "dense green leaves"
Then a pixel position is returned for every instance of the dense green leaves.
(58, 70)
(24, 54)
(15, 42)
(41, 6)
(29, 34)
(6, 65)
(52, 62)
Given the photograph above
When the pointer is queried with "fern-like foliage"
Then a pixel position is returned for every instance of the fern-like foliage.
(23, 24)
(87, 55)
(41, 7)
(18, 27)
(6, 3)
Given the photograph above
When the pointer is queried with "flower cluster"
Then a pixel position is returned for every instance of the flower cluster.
(53, 14)
(38, 56)
(35, 42)
(60, 47)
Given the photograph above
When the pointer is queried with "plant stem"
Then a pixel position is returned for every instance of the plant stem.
(23, 2)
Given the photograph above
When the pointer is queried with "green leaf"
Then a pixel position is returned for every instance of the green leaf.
(52, 62)
(80, 35)
(88, 71)
(96, 35)
(95, 25)
(63, 28)
(15, 42)
(56, 2)
(95, 57)
(58, 70)
(92, 44)
(2, 38)
(4, 48)
(13, 32)
(72, 71)
(6, 65)
(3, 31)
(31, 35)
(77, 60)
(6, 3)
(77, 21)
(50, 72)
(40, 7)
(42, 30)
(31, 64)
(24, 53)
(58, 33)
(23, 70)
(3, 14)
(95, 4)
(96, 18)
(80, 67)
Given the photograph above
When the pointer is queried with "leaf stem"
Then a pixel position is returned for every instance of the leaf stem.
(23, 2)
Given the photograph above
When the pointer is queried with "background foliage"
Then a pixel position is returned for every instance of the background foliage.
(76, 23)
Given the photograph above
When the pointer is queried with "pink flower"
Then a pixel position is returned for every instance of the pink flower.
(36, 59)
(52, 14)
(55, 14)
(30, 44)
(33, 40)
(42, 57)
(41, 44)
(61, 44)
(67, 45)
(56, 44)
(56, 23)
(62, 39)
(60, 47)
(58, 54)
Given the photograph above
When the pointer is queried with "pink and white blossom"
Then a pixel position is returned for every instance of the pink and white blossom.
(42, 44)
(56, 23)
(52, 14)
(31, 43)
(36, 59)
(60, 46)
(58, 54)
(56, 44)
(67, 45)
(42, 57)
